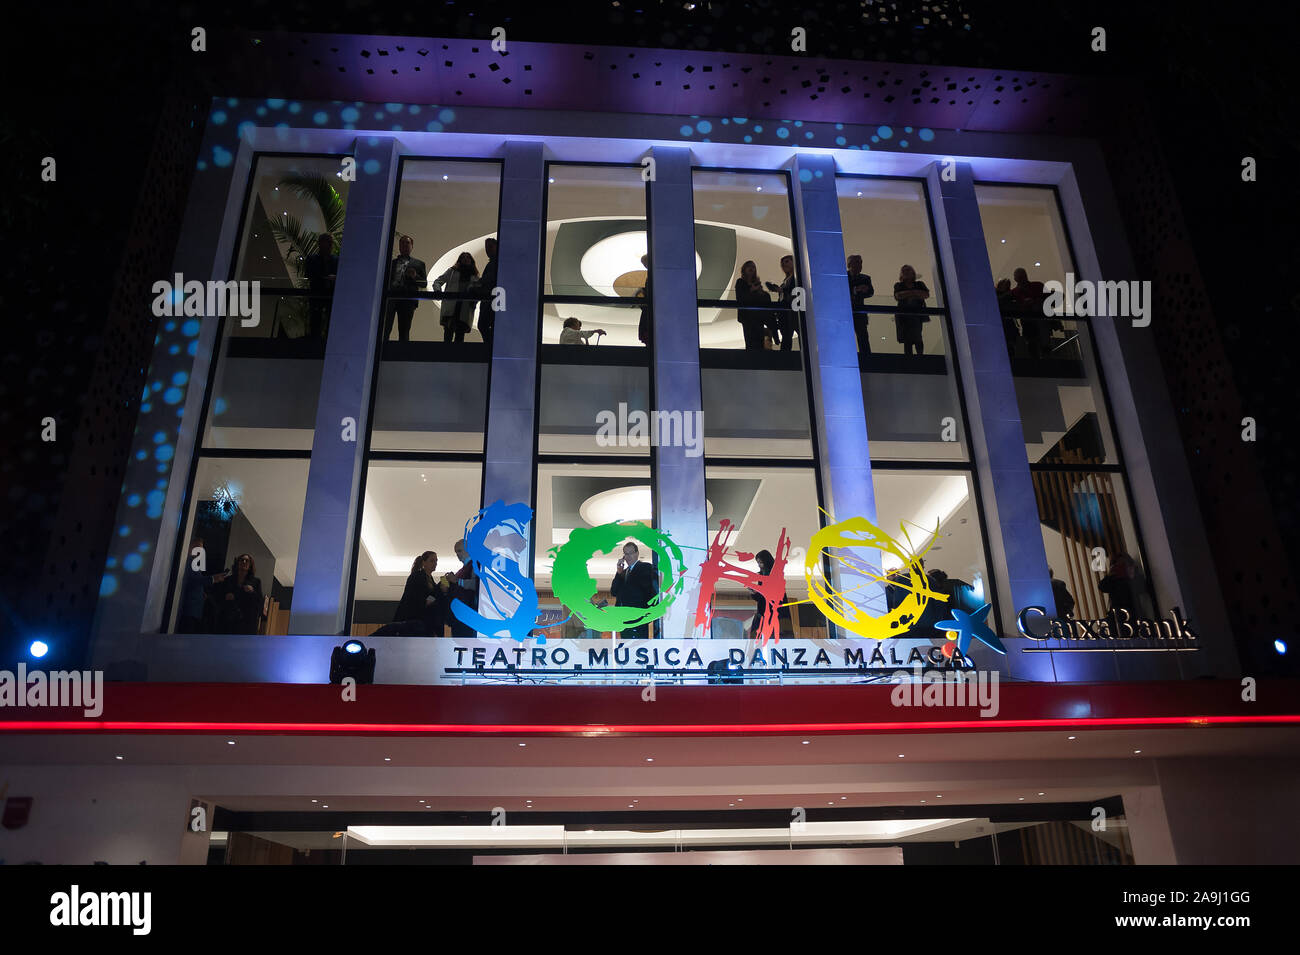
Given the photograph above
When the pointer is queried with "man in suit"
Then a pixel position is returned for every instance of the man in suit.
(487, 283)
(635, 584)
(860, 289)
(644, 326)
(406, 276)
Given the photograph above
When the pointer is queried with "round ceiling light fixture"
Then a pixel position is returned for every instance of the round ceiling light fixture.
(623, 504)
(612, 265)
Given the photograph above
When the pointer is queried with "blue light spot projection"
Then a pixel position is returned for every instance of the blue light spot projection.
(232, 102)
(133, 500)
(447, 116)
(704, 126)
(275, 103)
(884, 132)
(108, 586)
(111, 563)
(805, 175)
(687, 130)
(141, 454)
(144, 547)
(221, 157)
(190, 328)
(839, 125)
(261, 111)
(172, 395)
(739, 120)
(132, 562)
(124, 531)
(219, 406)
(907, 129)
(434, 126)
(180, 377)
(926, 134)
(219, 117)
(370, 167)
(393, 107)
(320, 118)
(159, 437)
(840, 141)
(193, 348)
(875, 139)
(351, 114)
(295, 107)
(798, 122)
(758, 129)
(161, 485)
(782, 133)
(174, 350)
(154, 504)
(902, 143)
(413, 109)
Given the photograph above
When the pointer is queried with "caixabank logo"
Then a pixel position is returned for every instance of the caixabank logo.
(496, 539)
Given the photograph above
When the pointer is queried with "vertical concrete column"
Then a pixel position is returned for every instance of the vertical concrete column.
(332, 510)
(509, 474)
(675, 377)
(998, 445)
(838, 412)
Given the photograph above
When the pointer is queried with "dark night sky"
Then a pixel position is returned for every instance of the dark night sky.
(89, 89)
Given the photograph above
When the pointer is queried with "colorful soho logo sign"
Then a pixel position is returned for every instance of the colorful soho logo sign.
(501, 530)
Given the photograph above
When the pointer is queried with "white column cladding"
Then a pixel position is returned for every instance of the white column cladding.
(331, 513)
(679, 478)
(508, 468)
(998, 441)
(838, 412)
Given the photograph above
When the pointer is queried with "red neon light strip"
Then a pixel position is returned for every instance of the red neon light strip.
(168, 726)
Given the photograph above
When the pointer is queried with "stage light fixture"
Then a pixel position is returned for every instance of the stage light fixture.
(352, 660)
(724, 671)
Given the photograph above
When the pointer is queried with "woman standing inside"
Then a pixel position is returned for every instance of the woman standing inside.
(457, 315)
(783, 326)
(239, 598)
(910, 295)
(785, 624)
(753, 301)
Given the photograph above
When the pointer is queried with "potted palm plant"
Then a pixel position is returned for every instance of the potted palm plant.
(298, 242)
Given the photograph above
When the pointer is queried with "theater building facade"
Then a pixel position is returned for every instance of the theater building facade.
(955, 481)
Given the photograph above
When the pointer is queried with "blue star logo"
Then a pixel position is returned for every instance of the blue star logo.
(968, 625)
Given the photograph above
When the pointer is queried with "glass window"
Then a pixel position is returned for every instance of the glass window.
(909, 387)
(294, 200)
(936, 512)
(268, 376)
(240, 507)
(741, 217)
(759, 413)
(595, 279)
(573, 496)
(425, 405)
(1088, 528)
(410, 507)
(600, 409)
(1091, 542)
(887, 223)
(761, 502)
(446, 210)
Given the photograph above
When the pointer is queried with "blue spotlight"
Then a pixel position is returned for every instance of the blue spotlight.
(353, 646)
(1280, 646)
(39, 648)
